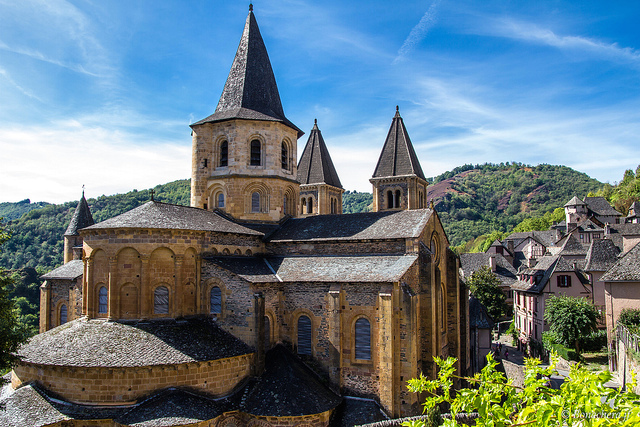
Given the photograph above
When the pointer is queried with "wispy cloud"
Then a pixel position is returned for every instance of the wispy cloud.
(419, 32)
(24, 91)
(533, 33)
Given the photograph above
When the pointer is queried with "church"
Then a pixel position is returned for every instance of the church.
(260, 304)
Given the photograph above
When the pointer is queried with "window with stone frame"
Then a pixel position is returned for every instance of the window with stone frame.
(363, 339)
(161, 300)
(103, 300)
(256, 153)
(389, 199)
(255, 202)
(220, 200)
(284, 158)
(304, 335)
(396, 201)
(215, 300)
(309, 205)
(63, 314)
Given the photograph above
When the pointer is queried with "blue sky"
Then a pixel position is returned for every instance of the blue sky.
(101, 93)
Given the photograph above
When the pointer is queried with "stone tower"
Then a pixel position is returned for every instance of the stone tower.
(575, 211)
(72, 240)
(320, 187)
(244, 154)
(398, 181)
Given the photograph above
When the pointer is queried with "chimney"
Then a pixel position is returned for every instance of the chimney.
(492, 262)
(607, 229)
(510, 247)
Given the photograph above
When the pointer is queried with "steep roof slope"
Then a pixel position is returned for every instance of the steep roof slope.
(315, 166)
(81, 218)
(398, 157)
(603, 253)
(626, 269)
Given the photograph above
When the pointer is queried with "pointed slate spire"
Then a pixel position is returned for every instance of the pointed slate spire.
(398, 158)
(250, 91)
(315, 165)
(81, 218)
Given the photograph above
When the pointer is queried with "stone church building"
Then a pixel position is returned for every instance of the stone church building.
(261, 303)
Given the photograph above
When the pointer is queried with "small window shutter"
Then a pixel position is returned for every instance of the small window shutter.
(63, 314)
(216, 300)
(304, 335)
(363, 339)
(161, 300)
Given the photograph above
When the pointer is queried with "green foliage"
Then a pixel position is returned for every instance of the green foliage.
(582, 400)
(485, 286)
(16, 210)
(354, 202)
(513, 332)
(630, 317)
(571, 319)
(595, 341)
(552, 343)
(622, 195)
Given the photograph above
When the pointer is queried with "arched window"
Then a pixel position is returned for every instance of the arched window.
(304, 335)
(303, 206)
(63, 314)
(363, 339)
(224, 153)
(215, 300)
(255, 202)
(389, 199)
(103, 300)
(161, 300)
(220, 200)
(396, 202)
(256, 155)
(309, 205)
(267, 333)
(285, 156)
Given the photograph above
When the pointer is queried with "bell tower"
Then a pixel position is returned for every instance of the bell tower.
(244, 154)
(398, 181)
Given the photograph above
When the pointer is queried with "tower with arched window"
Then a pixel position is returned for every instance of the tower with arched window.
(244, 154)
(398, 181)
(320, 187)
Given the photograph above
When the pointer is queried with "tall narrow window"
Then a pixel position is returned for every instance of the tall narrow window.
(215, 300)
(285, 156)
(63, 314)
(256, 156)
(267, 333)
(224, 153)
(389, 199)
(309, 205)
(303, 206)
(363, 339)
(284, 205)
(161, 300)
(255, 202)
(333, 206)
(304, 335)
(103, 300)
(396, 202)
(220, 200)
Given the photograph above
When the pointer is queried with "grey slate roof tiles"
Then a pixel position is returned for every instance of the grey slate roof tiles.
(71, 270)
(601, 207)
(157, 215)
(98, 343)
(472, 262)
(626, 269)
(315, 166)
(634, 210)
(603, 253)
(572, 246)
(373, 268)
(479, 317)
(81, 218)
(575, 201)
(358, 226)
(398, 158)
(251, 91)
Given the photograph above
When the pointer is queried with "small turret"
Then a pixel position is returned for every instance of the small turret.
(72, 240)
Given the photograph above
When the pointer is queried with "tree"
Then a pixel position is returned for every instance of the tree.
(582, 399)
(11, 332)
(571, 318)
(485, 286)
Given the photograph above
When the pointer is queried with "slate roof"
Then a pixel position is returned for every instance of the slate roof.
(549, 265)
(98, 343)
(251, 91)
(626, 269)
(71, 270)
(81, 218)
(601, 207)
(575, 201)
(546, 237)
(479, 317)
(315, 166)
(356, 411)
(634, 210)
(369, 268)
(470, 263)
(157, 215)
(357, 226)
(398, 158)
(286, 388)
(603, 253)
(572, 247)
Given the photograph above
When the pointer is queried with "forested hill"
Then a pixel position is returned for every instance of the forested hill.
(474, 200)
(471, 200)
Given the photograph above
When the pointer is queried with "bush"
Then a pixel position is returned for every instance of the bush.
(630, 317)
(594, 341)
(513, 332)
(551, 342)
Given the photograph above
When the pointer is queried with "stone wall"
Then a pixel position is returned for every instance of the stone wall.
(125, 385)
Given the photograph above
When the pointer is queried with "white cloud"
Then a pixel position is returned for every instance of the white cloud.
(419, 32)
(24, 91)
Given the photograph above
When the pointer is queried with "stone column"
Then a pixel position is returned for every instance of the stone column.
(386, 350)
(335, 333)
(143, 303)
(112, 311)
(178, 291)
(87, 289)
(199, 306)
(45, 307)
(258, 329)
